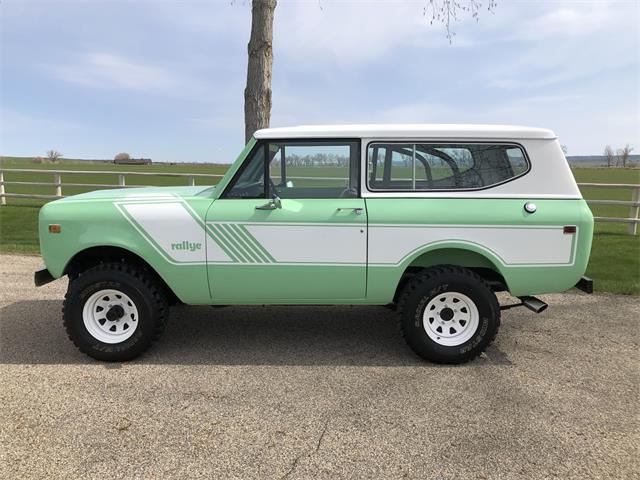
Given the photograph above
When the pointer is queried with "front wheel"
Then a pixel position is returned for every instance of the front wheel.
(448, 314)
(114, 311)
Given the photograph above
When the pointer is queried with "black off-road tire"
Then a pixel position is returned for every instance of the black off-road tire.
(437, 281)
(140, 286)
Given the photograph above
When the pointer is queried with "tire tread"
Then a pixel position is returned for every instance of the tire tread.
(435, 272)
(152, 285)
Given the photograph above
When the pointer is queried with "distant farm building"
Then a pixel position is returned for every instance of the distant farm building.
(125, 159)
(133, 161)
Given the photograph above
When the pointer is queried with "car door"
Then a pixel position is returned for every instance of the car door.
(291, 226)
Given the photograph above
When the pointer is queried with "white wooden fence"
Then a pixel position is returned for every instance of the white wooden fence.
(57, 182)
(632, 220)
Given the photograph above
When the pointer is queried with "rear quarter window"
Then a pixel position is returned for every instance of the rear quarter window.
(440, 166)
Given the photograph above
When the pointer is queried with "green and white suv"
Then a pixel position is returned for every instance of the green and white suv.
(432, 219)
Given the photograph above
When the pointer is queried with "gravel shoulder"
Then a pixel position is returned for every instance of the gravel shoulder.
(318, 392)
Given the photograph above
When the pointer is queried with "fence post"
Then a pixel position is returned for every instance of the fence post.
(191, 180)
(57, 180)
(121, 180)
(635, 210)
(3, 200)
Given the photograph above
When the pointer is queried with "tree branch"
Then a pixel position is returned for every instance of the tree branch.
(449, 11)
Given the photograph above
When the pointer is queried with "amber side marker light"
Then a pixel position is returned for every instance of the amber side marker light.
(55, 228)
(569, 229)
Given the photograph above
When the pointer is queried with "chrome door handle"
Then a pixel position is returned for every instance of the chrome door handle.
(266, 206)
(357, 210)
(271, 204)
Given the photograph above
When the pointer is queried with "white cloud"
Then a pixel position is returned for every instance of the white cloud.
(348, 34)
(565, 64)
(33, 133)
(570, 21)
(567, 42)
(231, 121)
(14, 122)
(107, 70)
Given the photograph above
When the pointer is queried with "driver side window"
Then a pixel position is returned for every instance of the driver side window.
(299, 169)
(249, 181)
(320, 169)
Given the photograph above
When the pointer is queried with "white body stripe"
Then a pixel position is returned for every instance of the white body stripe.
(175, 231)
(313, 244)
(514, 246)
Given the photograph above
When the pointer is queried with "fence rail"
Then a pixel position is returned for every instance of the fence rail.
(632, 221)
(634, 204)
(57, 182)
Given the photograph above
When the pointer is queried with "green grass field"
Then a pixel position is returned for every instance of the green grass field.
(615, 256)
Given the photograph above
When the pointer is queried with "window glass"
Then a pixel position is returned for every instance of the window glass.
(376, 162)
(392, 165)
(517, 160)
(443, 166)
(249, 183)
(313, 170)
(460, 155)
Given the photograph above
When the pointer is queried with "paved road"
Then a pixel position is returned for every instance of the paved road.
(318, 392)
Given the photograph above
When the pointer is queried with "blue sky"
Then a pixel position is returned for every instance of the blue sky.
(165, 79)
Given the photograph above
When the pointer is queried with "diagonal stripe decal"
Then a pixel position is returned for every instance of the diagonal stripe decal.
(224, 237)
(238, 243)
(231, 240)
(260, 248)
(221, 244)
(257, 254)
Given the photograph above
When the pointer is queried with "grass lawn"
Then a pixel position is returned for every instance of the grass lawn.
(615, 263)
(19, 229)
(615, 256)
(608, 175)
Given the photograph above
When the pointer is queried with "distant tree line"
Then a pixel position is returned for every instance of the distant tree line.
(317, 160)
(618, 159)
(52, 156)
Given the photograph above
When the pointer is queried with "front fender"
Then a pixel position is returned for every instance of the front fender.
(87, 225)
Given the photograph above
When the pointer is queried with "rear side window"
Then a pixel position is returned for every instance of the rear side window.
(437, 166)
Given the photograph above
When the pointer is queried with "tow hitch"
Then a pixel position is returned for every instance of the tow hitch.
(532, 303)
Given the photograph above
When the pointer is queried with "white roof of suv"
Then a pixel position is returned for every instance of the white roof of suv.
(436, 131)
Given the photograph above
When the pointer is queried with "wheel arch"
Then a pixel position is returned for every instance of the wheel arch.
(473, 256)
(95, 255)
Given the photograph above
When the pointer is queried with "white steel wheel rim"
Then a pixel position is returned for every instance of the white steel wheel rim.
(110, 316)
(450, 319)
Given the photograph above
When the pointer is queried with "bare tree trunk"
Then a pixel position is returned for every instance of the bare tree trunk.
(257, 94)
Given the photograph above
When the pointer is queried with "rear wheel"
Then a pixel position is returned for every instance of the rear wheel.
(448, 314)
(114, 311)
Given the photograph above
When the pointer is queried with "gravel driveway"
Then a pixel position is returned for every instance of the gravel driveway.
(318, 392)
